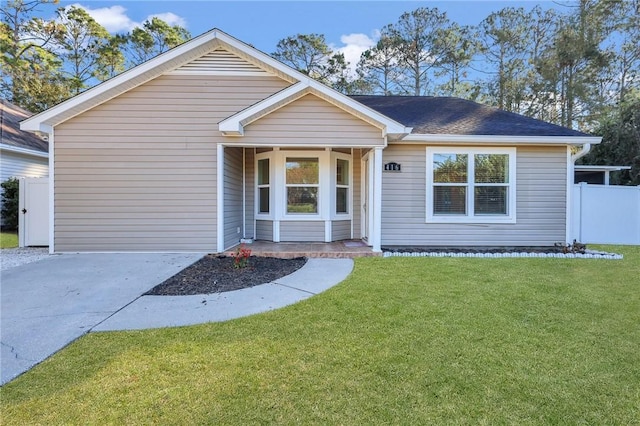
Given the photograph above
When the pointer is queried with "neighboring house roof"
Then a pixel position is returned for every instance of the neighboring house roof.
(455, 116)
(14, 139)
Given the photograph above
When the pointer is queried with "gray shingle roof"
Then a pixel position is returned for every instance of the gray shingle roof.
(455, 116)
(10, 133)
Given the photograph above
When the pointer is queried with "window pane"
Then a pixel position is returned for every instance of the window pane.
(302, 171)
(492, 168)
(263, 172)
(302, 200)
(342, 172)
(449, 200)
(490, 200)
(450, 168)
(263, 194)
(342, 197)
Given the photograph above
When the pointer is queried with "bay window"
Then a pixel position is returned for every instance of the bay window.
(303, 184)
(474, 185)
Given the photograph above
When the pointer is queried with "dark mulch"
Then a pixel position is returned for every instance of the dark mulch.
(216, 274)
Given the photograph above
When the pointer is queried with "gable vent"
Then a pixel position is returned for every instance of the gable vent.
(220, 62)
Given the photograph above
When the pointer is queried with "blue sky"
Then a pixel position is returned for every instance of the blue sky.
(349, 26)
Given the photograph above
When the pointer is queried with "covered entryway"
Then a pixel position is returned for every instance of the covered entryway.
(290, 169)
(296, 195)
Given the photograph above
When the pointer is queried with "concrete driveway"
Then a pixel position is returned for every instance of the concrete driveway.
(49, 303)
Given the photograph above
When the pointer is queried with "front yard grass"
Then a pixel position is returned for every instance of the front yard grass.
(8, 239)
(401, 341)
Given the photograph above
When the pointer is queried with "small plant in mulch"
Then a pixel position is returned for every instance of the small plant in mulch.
(241, 257)
(576, 247)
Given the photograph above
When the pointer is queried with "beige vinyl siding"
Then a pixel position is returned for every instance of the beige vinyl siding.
(312, 121)
(250, 188)
(264, 230)
(232, 196)
(340, 230)
(138, 173)
(302, 231)
(540, 197)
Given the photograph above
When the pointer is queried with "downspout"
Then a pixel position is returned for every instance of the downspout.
(584, 150)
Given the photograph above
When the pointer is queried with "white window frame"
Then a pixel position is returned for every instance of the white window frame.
(335, 156)
(470, 217)
(271, 214)
(321, 157)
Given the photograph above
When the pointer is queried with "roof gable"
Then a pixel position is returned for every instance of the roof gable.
(187, 53)
(234, 125)
(214, 52)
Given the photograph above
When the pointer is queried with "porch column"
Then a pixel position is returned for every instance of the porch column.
(376, 181)
(220, 199)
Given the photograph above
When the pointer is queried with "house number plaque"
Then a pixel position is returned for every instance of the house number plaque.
(392, 167)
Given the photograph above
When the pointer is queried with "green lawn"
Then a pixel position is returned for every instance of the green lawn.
(401, 341)
(8, 239)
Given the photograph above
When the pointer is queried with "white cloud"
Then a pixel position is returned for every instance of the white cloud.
(169, 18)
(115, 18)
(353, 46)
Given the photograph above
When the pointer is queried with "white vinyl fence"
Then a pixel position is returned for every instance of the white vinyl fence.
(606, 214)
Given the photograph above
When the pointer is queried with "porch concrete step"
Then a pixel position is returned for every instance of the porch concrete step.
(335, 250)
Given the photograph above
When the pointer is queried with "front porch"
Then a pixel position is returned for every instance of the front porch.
(337, 249)
(303, 197)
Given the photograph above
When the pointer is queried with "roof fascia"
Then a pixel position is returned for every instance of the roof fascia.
(500, 139)
(26, 151)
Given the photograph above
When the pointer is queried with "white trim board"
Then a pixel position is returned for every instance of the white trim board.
(500, 139)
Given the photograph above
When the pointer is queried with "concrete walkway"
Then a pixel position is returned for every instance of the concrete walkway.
(49, 303)
(315, 276)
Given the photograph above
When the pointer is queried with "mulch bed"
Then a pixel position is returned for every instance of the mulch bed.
(217, 274)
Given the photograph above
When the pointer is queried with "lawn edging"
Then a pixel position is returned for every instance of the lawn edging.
(588, 255)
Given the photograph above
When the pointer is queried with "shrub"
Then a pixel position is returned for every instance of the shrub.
(10, 200)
